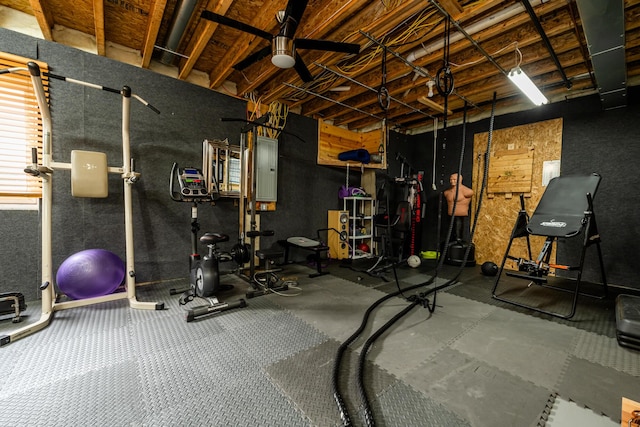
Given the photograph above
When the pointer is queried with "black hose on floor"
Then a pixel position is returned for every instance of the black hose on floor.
(419, 299)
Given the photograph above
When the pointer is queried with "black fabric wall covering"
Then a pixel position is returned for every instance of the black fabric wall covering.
(606, 142)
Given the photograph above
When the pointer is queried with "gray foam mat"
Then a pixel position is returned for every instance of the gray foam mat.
(478, 392)
(597, 387)
(400, 405)
(314, 396)
(467, 363)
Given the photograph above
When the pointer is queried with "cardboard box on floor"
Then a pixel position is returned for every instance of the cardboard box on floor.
(628, 417)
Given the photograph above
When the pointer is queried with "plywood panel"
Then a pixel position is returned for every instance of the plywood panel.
(534, 143)
(333, 140)
(510, 171)
(374, 143)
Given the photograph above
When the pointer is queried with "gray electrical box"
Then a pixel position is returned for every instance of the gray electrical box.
(266, 169)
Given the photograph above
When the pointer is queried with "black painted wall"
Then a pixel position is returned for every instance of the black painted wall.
(593, 140)
(89, 119)
(606, 142)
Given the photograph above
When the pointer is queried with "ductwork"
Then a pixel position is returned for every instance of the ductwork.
(603, 25)
(181, 17)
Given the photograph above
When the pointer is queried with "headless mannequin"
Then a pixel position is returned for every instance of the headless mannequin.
(461, 204)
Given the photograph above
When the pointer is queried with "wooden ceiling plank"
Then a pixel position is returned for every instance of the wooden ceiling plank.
(476, 78)
(196, 47)
(319, 25)
(396, 70)
(204, 32)
(244, 45)
(274, 90)
(43, 17)
(98, 22)
(380, 25)
(384, 24)
(151, 34)
(433, 105)
(452, 7)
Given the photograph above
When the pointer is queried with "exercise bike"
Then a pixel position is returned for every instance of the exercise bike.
(204, 272)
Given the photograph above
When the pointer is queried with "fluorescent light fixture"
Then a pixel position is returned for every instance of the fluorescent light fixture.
(525, 84)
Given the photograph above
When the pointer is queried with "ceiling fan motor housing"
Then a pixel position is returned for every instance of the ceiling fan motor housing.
(282, 52)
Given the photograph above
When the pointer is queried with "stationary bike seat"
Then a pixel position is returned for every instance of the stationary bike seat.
(213, 238)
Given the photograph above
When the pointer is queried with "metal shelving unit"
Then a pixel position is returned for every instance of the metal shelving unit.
(361, 211)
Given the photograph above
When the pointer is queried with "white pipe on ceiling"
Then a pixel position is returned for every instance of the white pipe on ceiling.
(495, 19)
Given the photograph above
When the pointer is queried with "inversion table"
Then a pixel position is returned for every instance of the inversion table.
(565, 211)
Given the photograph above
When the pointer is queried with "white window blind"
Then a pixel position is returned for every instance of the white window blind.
(20, 130)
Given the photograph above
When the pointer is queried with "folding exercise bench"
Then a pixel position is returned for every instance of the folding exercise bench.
(307, 244)
(565, 211)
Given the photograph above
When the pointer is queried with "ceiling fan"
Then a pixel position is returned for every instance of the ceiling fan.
(283, 45)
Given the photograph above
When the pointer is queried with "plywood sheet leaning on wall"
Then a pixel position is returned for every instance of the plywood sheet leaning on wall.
(531, 145)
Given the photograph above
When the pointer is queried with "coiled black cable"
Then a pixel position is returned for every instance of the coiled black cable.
(337, 395)
(415, 300)
(420, 299)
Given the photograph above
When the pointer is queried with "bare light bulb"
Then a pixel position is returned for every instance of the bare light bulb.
(430, 83)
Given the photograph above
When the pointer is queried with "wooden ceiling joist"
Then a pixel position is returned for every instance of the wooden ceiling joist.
(151, 32)
(412, 28)
(43, 16)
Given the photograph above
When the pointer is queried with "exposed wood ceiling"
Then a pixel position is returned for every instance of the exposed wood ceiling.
(485, 40)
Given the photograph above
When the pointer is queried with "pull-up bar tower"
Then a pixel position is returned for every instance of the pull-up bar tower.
(45, 172)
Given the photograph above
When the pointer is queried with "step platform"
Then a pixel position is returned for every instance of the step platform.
(628, 321)
(11, 304)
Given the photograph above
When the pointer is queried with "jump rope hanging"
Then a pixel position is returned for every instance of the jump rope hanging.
(444, 85)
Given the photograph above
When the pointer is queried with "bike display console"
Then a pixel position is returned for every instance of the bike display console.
(192, 183)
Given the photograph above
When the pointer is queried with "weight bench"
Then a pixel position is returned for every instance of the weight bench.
(268, 258)
(307, 244)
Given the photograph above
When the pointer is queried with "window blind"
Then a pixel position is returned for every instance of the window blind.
(20, 130)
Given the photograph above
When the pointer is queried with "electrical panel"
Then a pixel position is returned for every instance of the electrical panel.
(266, 169)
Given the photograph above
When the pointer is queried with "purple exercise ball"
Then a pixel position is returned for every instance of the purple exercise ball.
(90, 273)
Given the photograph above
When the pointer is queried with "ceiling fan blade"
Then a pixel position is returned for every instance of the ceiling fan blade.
(292, 15)
(295, 9)
(302, 70)
(327, 45)
(253, 58)
(223, 20)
